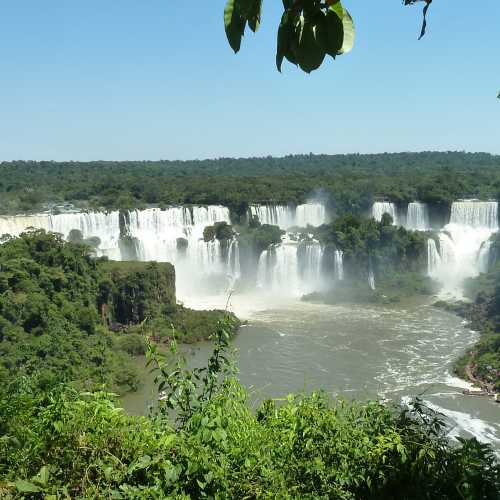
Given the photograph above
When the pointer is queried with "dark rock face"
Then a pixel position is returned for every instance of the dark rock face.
(135, 291)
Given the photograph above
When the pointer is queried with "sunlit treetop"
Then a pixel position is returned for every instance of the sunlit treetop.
(309, 30)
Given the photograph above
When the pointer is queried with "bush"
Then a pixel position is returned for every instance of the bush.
(82, 445)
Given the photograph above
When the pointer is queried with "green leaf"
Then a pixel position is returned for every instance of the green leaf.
(42, 477)
(285, 38)
(349, 33)
(234, 24)
(142, 463)
(330, 33)
(310, 54)
(338, 9)
(254, 15)
(26, 487)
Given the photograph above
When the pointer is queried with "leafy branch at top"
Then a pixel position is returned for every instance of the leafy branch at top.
(309, 30)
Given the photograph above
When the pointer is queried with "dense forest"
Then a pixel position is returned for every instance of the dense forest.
(348, 182)
(68, 317)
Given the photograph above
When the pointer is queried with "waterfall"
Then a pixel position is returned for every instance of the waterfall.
(311, 214)
(290, 268)
(158, 231)
(155, 234)
(433, 257)
(275, 215)
(339, 265)
(233, 261)
(477, 214)
(483, 258)
(417, 218)
(371, 274)
(464, 245)
(278, 270)
(310, 254)
(383, 207)
(104, 226)
(286, 216)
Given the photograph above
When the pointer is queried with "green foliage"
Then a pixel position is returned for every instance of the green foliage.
(391, 288)
(191, 325)
(350, 182)
(189, 391)
(49, 325)
(136, 291)
(391, 250)
(82, 445)
(221, 231)
(209, 233)
(309, 29)
(132, 343)
(58, 305)
(259, 237)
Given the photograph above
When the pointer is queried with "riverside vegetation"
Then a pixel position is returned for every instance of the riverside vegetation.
(68, 317)
(82, 445)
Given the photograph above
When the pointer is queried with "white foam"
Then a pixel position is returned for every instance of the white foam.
(452, 381)
(484, 432)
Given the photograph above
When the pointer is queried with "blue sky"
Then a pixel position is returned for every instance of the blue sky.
(129, 79)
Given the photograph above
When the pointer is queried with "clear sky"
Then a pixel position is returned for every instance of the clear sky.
(135, 79)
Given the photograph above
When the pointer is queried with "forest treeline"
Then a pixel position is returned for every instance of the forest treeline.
(349, 183)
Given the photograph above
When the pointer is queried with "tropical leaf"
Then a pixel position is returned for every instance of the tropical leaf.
(286, 39)
(330, 33)
(234, 24)
(26, 487)
(349, 33)
(254, 15)
(310, 53)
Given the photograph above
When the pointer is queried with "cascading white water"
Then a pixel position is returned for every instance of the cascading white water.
(477, 214)
(287, 216)
(290, 268)
(339, 265)
(158, 232)
(155, 232)
(371, 275)
(463, 243)
(233, 261)
(310, 254)
(313, 214)
(483, 258)
(275, 215)
(104, 226)
(278, 269)
(417, 218)
(433, 257)
(383, 207)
